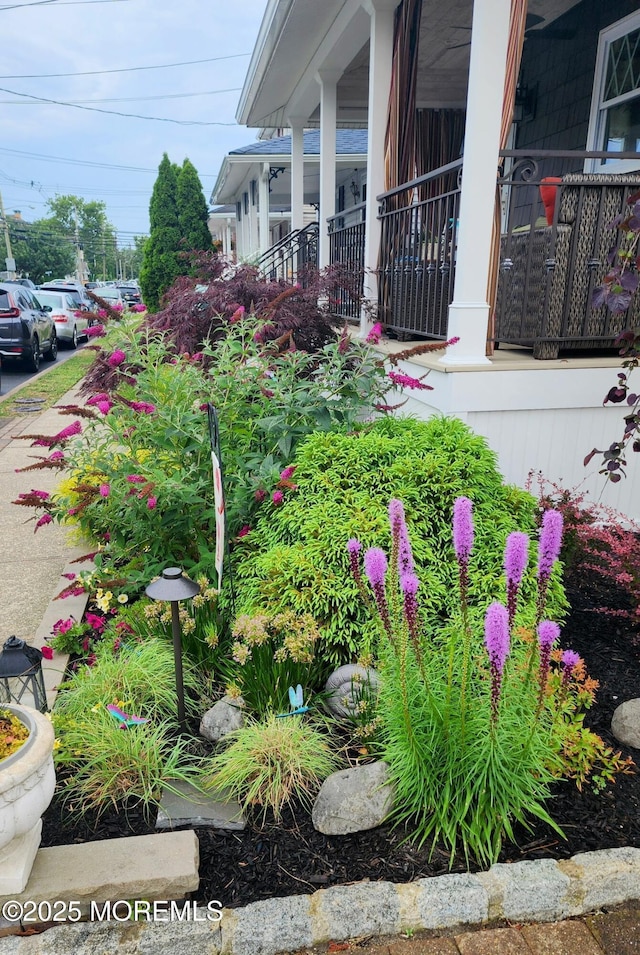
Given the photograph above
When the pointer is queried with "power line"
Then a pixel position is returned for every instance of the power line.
(75, 162)
(126, 69)
(127, 99)
(61, 3)
(112, 112)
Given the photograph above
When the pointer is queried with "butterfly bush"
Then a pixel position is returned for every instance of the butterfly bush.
(476, 725)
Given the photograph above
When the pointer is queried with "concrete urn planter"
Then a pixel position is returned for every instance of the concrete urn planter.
(27, 782)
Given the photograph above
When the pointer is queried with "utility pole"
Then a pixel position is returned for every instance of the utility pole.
(10, 262)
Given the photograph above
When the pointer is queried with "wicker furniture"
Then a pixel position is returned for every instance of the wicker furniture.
(547, 275)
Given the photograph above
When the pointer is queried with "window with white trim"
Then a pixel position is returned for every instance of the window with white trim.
(615, 113)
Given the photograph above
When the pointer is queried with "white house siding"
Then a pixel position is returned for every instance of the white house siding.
(545, 418)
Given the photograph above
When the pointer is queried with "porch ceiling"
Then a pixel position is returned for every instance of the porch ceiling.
(298, 37)
(239, 170)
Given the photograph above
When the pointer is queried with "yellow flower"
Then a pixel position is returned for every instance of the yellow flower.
(57, 744)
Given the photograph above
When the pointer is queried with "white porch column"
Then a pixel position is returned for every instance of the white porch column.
(328, 80)
(297, 172)
(263, 197)
(380, 60)
(226, 245)
(469, 311)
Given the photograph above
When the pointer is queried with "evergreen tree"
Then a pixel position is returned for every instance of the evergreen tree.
(160, 263)
(193, 213)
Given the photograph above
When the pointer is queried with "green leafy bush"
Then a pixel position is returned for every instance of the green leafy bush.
(295, 557)
(269, 763)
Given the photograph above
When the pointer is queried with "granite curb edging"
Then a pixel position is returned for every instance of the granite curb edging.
(536, 891)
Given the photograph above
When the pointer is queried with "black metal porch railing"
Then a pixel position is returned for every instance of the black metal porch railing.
(419, 224)
(346, 254)
(293, 256)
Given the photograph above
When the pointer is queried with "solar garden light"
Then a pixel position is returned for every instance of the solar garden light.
(174, 587)
(21, 673)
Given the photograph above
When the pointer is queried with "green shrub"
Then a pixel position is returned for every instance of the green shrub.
(267, 764)
(296, 558)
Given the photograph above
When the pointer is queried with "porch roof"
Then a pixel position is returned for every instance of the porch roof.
(299, 37)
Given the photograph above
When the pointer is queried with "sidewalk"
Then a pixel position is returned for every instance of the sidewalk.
(31, 566)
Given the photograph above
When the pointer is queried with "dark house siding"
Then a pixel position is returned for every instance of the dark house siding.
(560, 61)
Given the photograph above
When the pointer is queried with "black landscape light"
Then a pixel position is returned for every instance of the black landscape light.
(21, 673)
(174, 587)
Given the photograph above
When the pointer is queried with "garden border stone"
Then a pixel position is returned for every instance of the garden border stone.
(523, 892)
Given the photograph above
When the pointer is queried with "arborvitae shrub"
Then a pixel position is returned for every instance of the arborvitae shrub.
(296, 554)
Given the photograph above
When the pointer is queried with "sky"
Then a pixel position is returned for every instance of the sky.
(95, 36)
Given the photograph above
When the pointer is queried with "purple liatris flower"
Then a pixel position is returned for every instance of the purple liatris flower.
(516, 555)
(496, 639)
(375, 565)
(550, 541)
(570, 660)
(400, 536)
(462, 529)
(548, 633)
(409, 584)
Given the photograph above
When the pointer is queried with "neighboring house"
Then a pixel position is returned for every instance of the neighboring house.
(222, 226)
(256, 182)
(457, 97)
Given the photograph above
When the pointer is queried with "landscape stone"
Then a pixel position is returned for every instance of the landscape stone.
(501, 941)
(138, 867)
(264, 928)
(606, 876)
(570, 937)
(527, 890)
(625, 723)
(223, 718)
(345, 688)
(189, 807)
(450, 900)
(351, 911)
(353, 800)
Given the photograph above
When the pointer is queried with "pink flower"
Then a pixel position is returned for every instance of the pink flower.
(74, 428)
(94, 399)
(374, 334)
(151, 503)
(116, 358)
(277, 497)
(197, 357)
(47, 652)
(143, 406)
(237, 315)
(104, 406)
(102, 313)
(136, 479)
(95, 622)
(345, 341)
(70, 576)
(56, 456)
(106, 536)
(260, 495)
(43, 495)
(96, 331)
(244, 530)
(406, 381)
(288, 472)
(45, 519)
(62, 626)
(105, 490)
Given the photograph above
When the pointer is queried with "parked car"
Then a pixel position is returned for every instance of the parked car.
(112, 296)
(27, 329)
(70, 320)
(26, 282)
(75, 288)
(131, 294)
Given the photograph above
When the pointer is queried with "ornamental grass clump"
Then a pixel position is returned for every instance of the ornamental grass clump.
(476, 721)
(271, 763)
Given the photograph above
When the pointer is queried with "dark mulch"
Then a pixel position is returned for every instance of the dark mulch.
(266, 860)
